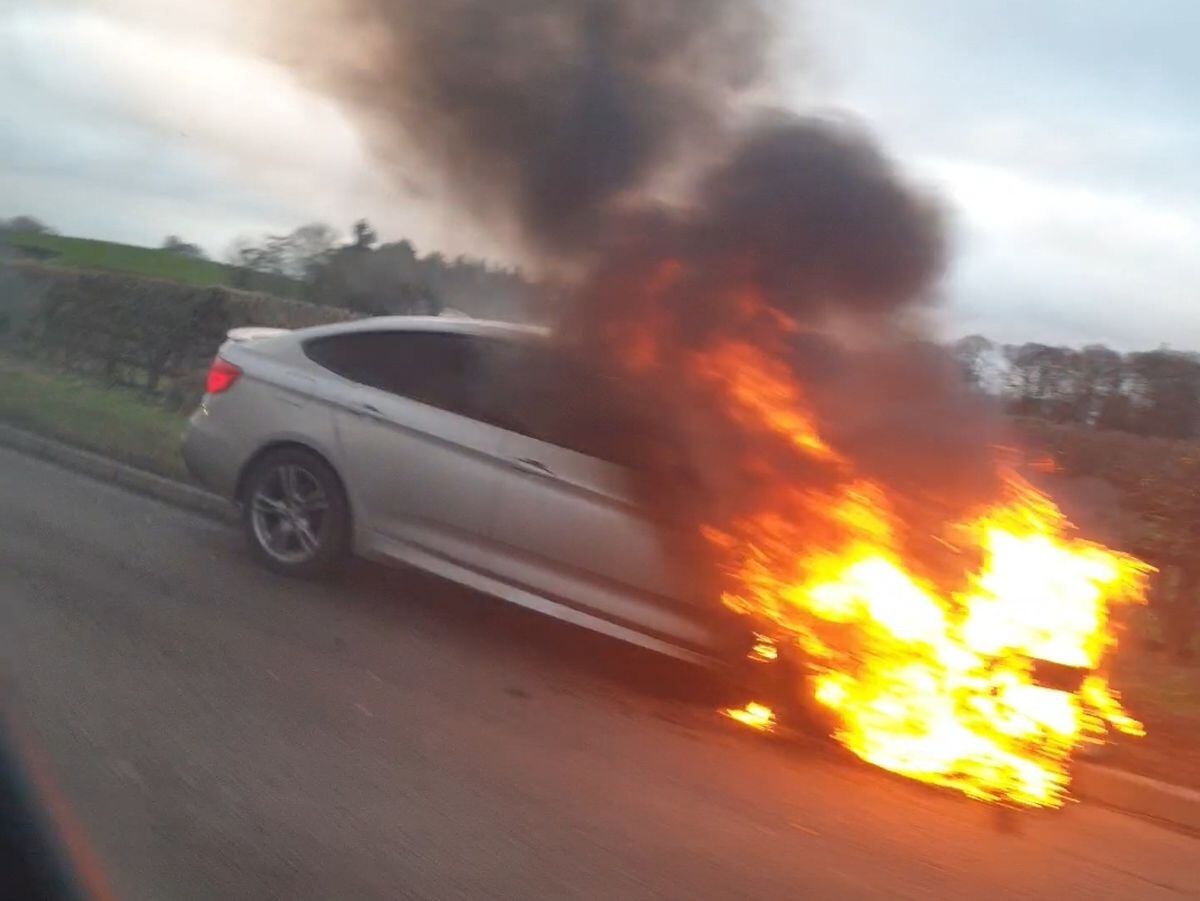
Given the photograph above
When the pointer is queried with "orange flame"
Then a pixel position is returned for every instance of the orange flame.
(763, 393)
(755, 715)
(931, 680)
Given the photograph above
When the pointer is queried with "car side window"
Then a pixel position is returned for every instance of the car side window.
(553, 398)
(521, 387)
(436, 369)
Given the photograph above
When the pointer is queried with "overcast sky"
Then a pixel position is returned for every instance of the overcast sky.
(1063, 136)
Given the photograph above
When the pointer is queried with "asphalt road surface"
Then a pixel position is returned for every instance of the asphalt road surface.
(224, 733)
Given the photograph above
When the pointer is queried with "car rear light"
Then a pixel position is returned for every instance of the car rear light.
(221, 376)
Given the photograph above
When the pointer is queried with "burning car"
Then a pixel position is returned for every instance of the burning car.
(764, 281)
(474, 451)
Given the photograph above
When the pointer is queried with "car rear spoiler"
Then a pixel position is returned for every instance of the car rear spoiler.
(247, 333)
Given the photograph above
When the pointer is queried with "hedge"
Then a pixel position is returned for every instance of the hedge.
(133, 330)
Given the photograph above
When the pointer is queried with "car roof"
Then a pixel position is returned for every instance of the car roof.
(432, 324)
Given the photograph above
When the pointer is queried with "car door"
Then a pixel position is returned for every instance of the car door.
(569, 523)
(422, 474)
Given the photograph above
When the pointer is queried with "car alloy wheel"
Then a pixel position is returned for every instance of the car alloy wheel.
(288, 511)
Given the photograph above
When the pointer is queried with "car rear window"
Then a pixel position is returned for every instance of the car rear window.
(441, 370)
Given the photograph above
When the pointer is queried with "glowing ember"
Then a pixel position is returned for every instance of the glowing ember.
(755, 715)
(764, 650)
(930, 677)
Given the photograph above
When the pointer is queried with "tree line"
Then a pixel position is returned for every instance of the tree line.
(365, 276)
(314, 262)
(1154, 393)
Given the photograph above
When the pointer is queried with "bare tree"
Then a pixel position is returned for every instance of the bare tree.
(1166, 393)
(299, 254)
(309, 249)
(176, 244)
(364, 236)
(29, 224)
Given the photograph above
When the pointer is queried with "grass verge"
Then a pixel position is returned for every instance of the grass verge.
(116, 422)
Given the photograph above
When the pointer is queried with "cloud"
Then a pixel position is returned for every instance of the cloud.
(1061, 135)
(1044, 259)
(128, 127)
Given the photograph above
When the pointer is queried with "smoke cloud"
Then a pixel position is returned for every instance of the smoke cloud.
(546, 115)
(566, 118)
(622, 143)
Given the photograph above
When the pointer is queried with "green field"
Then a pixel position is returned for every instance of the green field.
(85, 253)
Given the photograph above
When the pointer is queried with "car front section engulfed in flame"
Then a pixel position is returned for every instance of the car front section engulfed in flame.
(986, 677)
(989, 689)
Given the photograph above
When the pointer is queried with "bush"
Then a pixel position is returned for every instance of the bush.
(138, 331)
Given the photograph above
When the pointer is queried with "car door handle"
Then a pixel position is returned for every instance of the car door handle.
(528, 464)
(369, 410)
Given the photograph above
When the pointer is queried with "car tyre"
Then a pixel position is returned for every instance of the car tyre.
(295, 514)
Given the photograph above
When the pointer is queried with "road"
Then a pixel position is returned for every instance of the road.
(223, 733)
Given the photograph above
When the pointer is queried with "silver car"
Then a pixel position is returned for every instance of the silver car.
(457, 446)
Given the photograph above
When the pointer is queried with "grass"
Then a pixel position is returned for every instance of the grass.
(86, 253)
(118, 423)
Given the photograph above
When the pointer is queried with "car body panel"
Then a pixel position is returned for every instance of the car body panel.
(420, 475)
(274, 401)
(567, 526)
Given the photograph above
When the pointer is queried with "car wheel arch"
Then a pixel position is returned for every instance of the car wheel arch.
(287, 444)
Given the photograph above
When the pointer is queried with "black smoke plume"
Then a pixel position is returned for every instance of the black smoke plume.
(620, 140)
(548, 115)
